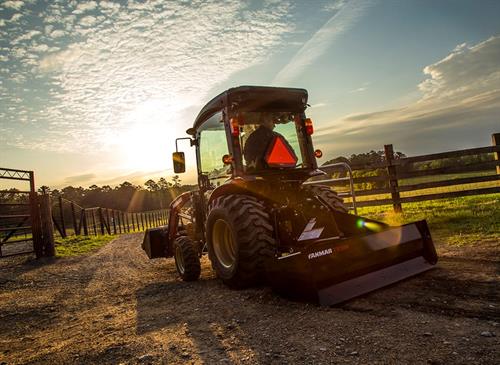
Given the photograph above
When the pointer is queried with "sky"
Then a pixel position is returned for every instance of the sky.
(95, 92)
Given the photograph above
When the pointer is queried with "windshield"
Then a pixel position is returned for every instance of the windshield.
(264, 133)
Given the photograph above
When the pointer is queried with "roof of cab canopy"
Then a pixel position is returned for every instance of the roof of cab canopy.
(253, 98)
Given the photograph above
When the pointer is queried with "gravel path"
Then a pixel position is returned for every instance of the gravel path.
(115, 306)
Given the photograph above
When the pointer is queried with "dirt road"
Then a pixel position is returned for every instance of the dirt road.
(116, 306)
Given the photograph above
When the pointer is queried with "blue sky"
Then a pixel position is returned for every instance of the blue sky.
(97, 91)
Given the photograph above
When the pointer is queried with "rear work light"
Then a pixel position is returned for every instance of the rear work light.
(309, 126)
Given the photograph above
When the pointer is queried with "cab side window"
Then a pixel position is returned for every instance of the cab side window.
(213, 146)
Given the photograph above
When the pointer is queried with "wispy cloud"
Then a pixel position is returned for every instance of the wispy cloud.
(83, 178)
(92, 74)
(346, 16)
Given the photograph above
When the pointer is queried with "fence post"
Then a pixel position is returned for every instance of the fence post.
(36, 225)
(47, 227)
(61, 212)
(133, 223)
(94, 222)
(113, 218)
(128, 222)
(495, 141)
(119, 218)
(73, 216)
(142, 220)
(83, 220)
(101, 220)
(108, 220)
(124, 222)
(393, 179)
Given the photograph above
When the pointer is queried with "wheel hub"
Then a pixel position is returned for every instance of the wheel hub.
(223, 242)
(179, 259)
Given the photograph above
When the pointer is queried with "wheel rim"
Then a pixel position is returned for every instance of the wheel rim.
(223, 242)
(179, 260)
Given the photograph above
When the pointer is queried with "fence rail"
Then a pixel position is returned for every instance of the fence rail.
(389, 176)
(71, 219)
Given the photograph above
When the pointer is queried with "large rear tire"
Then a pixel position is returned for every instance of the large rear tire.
(240, 240)
(187, 261)
(329, 196)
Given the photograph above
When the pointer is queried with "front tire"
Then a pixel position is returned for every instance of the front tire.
(240, 240)
(187, 261)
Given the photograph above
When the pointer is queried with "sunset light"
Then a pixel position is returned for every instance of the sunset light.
(249, 182)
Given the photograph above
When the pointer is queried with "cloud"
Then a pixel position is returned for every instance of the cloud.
(83, 178)
(465, 71)
(343, 20)
(56, 61)
(119, 69)
(57, 33)
(88, 21)
(461, 94)
(13, 4)
(359, 89)
(334, 5)
(16, 17)
(84, 7)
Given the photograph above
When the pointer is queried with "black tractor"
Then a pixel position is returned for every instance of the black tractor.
(258, 219)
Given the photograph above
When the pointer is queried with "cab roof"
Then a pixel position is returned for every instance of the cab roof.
(253, 98)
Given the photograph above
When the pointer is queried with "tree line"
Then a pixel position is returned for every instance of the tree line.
(125, 196)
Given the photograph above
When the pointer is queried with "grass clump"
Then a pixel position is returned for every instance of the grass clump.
(78, 245)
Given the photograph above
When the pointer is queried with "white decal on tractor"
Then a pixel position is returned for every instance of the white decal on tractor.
(314, 255)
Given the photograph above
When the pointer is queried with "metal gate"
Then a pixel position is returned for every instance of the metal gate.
(20, 225)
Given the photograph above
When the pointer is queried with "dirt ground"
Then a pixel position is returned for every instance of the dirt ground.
(116, 306)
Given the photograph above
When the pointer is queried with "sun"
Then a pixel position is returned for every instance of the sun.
(147, 136)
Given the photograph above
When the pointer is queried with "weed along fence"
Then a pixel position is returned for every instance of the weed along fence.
(71, 219)
(396, 181)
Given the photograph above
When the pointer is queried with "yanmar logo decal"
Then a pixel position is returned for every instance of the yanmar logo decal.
(314, 255)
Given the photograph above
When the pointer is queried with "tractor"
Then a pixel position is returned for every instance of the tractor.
(259, 220)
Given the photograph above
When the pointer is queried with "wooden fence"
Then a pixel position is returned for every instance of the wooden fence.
(71, 219)
(391, 177)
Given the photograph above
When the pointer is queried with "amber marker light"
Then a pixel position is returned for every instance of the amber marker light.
(235, 127)
(318, 153)
(227, 159)
(309, 126)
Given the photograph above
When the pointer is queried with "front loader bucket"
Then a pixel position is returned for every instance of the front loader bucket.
(332, 271)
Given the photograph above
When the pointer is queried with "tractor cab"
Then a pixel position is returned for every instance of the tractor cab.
(250, 132)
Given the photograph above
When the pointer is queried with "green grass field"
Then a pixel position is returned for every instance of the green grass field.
(77, 245)
(456, 221)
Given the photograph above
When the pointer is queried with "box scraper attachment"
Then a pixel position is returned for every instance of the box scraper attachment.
(333, 271)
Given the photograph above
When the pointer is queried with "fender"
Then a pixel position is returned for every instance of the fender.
(236, 186)
(173, 218)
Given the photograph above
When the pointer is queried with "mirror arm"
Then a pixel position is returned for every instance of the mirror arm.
(192, 141)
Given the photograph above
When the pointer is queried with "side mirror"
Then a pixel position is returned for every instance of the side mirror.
(179, 162)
